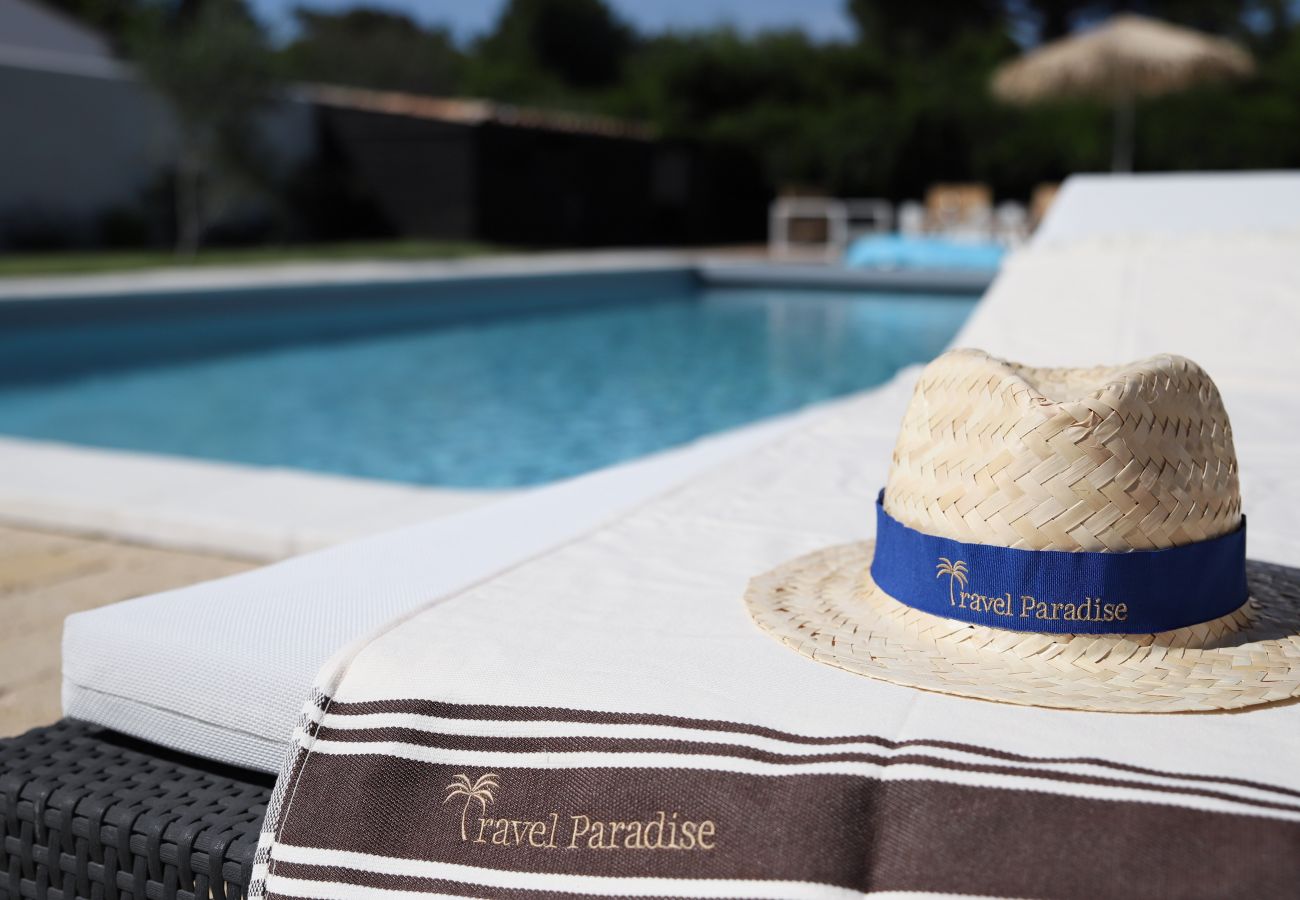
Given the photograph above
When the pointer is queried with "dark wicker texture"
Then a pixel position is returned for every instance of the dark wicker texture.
(87, 813)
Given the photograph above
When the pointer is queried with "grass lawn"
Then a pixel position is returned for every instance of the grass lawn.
(70, 263)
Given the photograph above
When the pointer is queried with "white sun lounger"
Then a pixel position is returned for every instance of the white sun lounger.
(1115, 207)
(221, 669)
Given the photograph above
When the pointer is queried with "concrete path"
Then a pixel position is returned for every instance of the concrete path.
(44, 577)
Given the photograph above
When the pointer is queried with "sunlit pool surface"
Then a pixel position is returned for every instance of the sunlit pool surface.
(516, 393)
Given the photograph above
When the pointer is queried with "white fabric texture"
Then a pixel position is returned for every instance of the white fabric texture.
(220, 669)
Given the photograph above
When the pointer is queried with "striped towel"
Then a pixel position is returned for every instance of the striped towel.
(605, 720)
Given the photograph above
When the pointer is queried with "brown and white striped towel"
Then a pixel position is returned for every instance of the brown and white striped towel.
(605, 720)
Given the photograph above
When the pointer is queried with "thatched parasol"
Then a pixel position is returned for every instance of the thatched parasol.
(1124, 58)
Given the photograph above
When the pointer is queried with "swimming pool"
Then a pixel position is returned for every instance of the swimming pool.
(489, 383)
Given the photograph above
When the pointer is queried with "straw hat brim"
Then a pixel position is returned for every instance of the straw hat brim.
(826, 607)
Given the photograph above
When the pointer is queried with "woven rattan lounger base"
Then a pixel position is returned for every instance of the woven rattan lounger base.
(85, 812)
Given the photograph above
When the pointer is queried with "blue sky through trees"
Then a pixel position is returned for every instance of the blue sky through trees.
(823, 19)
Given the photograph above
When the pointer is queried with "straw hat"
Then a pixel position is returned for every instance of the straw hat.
(1036, 473)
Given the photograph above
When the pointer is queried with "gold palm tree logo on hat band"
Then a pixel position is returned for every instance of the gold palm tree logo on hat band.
(956, 571)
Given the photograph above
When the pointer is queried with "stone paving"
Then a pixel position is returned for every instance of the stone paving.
(45, 577)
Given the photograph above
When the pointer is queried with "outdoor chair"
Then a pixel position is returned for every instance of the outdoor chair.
(1041, 201)
(959, 209)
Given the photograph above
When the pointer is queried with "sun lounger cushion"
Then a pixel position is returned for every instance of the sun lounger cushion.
(893, 251)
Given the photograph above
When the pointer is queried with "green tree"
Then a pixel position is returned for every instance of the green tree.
(375, 49)
(813, 114)
(908, 27)
(210, 62)
(1053, 19)
(541, 47)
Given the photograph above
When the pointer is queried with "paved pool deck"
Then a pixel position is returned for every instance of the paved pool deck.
(45, 577)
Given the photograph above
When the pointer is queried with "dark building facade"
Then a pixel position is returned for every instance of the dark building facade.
(88, 150)
(527, 184)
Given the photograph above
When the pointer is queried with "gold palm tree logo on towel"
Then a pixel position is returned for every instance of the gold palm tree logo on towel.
(956, 571)
(480, 790)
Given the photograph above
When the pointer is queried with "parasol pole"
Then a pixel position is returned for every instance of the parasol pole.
(1121, 153)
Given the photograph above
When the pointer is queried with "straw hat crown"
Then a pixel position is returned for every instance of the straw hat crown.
(1104, 460)
(1133, 457)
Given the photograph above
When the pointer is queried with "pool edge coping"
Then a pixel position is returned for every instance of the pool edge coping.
(270, 276)
(710, 267)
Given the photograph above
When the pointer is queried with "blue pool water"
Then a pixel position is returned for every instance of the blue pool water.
(502, 391)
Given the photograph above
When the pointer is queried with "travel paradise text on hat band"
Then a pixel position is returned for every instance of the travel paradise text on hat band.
(1054, 591)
